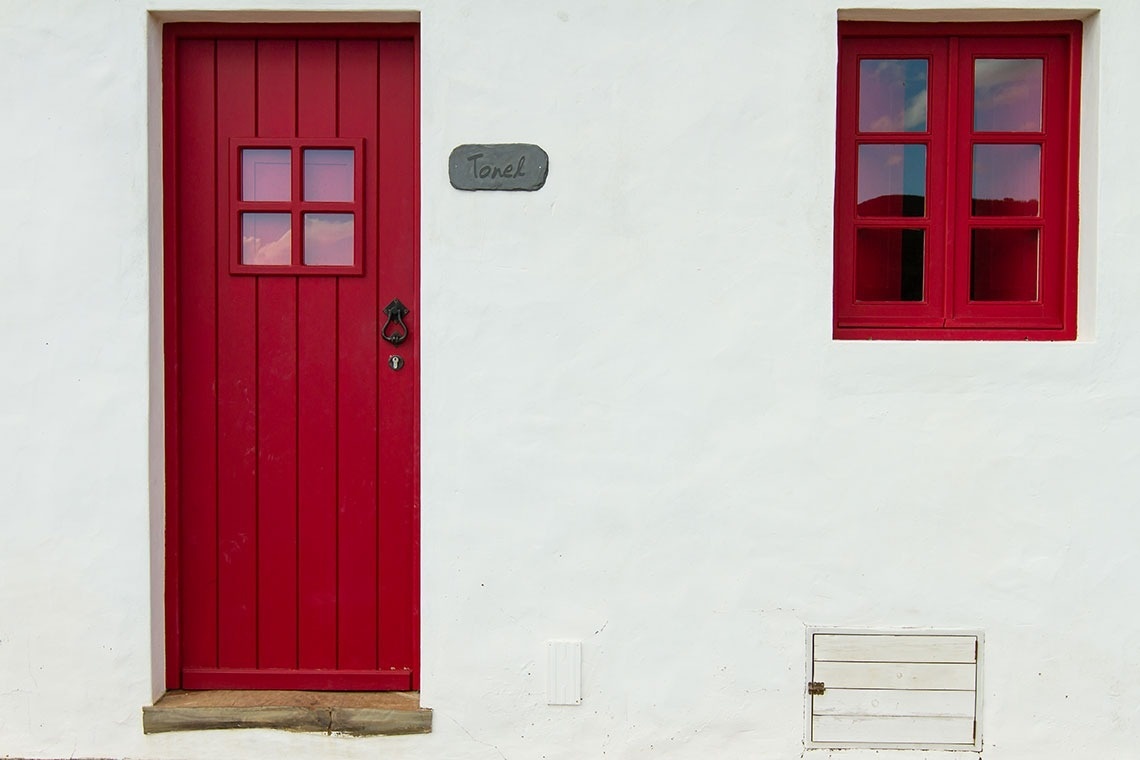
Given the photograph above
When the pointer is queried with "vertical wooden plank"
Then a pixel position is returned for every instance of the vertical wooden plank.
(277, 394)
(172, 540)
(197, 363)
(357, 385)
(414, 530)
(237, 382)
(396, 268)
(316, 395)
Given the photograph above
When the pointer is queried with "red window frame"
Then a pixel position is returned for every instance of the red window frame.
(296, 206)
(946, 311)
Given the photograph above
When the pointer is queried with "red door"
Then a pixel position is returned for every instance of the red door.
(292, 467)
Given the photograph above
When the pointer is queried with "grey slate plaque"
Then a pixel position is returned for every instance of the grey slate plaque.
(506, 166)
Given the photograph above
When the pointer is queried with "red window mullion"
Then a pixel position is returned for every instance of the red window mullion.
(939, 191)
(298, 230)
(954, 181)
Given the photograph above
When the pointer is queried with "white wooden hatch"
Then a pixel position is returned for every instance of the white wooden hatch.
(894, 689)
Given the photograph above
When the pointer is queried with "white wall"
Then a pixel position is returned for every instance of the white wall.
(637, 430)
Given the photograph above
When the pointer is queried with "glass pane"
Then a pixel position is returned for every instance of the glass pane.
(266, 239)
(1007, 180)
(328, 175)
(329, 239)
(892, 180)
(1007, 94)
(888, 265)
(892, 95)
(265, 174)
(1003, 265)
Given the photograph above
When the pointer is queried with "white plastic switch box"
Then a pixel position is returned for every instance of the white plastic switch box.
(564, 672)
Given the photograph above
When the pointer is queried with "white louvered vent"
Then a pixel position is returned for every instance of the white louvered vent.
(564, 672)
(894, 689)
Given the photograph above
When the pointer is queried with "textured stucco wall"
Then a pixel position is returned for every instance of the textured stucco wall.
(636, 428)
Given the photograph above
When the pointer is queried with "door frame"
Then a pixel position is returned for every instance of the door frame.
(172, 33)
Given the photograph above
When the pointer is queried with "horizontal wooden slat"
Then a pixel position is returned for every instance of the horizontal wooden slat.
(895, 675)
(894, 702)
(893, 648)
(880, 730)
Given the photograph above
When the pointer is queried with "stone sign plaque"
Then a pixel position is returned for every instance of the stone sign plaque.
(506, 166)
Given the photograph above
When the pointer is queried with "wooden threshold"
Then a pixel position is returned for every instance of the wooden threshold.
(359, 713)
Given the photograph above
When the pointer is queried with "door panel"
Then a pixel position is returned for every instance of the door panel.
(276, 404)
(317, 408)
(292, 467)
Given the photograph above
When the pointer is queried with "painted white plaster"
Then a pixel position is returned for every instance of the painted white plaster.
(637, 431)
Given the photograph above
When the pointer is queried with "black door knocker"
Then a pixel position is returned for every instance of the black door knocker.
(396, 311)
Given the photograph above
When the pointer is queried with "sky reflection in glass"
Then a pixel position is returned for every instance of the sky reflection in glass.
(1007, 94)
(892, 95)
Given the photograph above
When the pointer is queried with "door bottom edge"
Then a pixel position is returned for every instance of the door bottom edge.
(291, 679)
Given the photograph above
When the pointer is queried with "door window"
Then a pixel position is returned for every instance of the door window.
(298, 207)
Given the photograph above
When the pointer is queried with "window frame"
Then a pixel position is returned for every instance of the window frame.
(946, 311)
(297, 207)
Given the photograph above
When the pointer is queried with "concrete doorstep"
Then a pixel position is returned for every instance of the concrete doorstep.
(326, 712)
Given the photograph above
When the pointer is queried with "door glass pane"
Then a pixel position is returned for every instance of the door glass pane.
(266, 239)
(889, 264)
(892, 180)
(265, 174)
(892, 95)
(1007, 180)
(1004, 265)
(329, 239)
(1007, 94)
(329, 175)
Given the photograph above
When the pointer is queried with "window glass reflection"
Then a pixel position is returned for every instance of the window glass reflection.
(266, 239)
(1004, 265)
(328, 174)
(265, 174)
(1007, 94)
(892, 180)
(329, 239)
(892, 95)
(889, 264)
(1007, 180)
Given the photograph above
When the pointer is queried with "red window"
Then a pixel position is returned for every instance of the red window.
(956, 181)
(298, 206)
